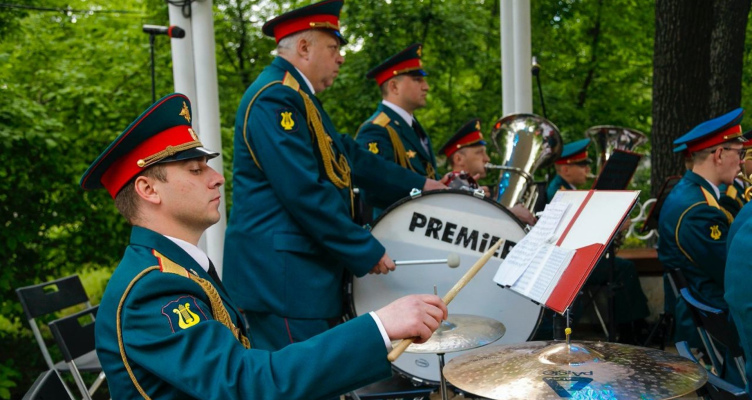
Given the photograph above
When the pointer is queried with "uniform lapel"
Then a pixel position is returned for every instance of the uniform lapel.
(406, 132)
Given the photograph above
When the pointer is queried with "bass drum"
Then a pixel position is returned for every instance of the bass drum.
(432, 226)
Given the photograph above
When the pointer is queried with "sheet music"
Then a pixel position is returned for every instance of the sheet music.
(537, 269)
(533, 246)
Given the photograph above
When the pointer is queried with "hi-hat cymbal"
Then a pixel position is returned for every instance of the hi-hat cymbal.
(582, 370)
(461, 332)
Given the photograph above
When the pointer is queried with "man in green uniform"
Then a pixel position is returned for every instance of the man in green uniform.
(293, 178)
(392, 131)
(692, 225)
(466, 155)
(166, 327)
(630, 302)
(737, 282)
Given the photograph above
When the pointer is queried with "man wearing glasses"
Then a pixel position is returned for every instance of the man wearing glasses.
(692, 226)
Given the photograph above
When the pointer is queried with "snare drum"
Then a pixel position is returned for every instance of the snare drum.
(432, 226)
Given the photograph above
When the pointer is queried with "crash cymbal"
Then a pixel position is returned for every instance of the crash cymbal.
(582, 370)
(461, 332)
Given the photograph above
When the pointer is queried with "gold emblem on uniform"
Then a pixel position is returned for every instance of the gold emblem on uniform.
(373, 147)
(411, 154)
(715, 232)
(193, 134)
(187, 317)
(287, 121)
(185, 112)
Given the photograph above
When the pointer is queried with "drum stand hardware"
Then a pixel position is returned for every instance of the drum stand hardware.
(415, 193)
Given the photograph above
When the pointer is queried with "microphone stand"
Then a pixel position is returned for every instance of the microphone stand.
(151, 47)
(535, 69)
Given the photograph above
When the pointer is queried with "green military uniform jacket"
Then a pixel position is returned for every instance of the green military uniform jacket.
(556, 184)
(692, 230)
(385, 133)
(738, 281)
(290, 237)
(197, 357)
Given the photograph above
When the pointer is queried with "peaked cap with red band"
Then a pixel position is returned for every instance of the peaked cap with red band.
(322, 15)
(161, 134)
(574, 153)
(718, 130)
(406, 61)
(467, 136)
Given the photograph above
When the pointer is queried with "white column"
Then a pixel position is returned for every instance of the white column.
(523, 80)
(507, 57)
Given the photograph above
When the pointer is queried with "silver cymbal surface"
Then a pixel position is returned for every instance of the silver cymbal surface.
(582, 370)
(461, 332)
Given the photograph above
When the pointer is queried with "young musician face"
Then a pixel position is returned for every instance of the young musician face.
(730, 162)
(191, 194)
(412, 92)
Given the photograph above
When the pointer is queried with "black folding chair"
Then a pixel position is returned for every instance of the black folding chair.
(717, 324)
(48, 386)
(41, 301)
(716, 388)
(74, 335)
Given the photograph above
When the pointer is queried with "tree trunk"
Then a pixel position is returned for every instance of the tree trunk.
(697, 71)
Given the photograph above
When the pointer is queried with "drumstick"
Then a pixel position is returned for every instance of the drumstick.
(402, 346)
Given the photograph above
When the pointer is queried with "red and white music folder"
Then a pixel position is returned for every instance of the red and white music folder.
(550, 265)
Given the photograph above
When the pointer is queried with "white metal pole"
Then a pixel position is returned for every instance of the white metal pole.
(523, 80)
(507, 57)
(207, 96)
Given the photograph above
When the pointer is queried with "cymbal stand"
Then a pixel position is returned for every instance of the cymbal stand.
(444, 395)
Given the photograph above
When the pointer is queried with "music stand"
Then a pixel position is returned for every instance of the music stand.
(618, 171)
(651, 221)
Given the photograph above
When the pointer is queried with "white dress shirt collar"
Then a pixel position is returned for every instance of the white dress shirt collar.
(197, 254)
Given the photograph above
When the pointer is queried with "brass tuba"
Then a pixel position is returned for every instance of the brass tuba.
(608, 138)
(527, 142)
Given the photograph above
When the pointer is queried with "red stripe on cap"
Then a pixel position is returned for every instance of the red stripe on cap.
(581, 156)
(287, 28)
(123, 136)
(126, 167)
(397, 69)
(718, 138)
(467, 140)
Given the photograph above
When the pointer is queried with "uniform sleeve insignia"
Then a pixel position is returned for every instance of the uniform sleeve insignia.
(715, 232)
(373, 147)
(183, 313)
(411, 154)
(286, 118)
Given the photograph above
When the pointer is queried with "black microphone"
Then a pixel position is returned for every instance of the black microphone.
(172, 31)
(535, 69)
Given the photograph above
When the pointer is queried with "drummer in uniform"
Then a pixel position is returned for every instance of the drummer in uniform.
(293, 179)
(167, 328)
(393, 132)
(630, 303)
(467, 157)
(732, 196)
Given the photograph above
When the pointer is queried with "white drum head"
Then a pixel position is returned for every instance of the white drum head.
(432, 227)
